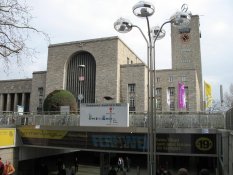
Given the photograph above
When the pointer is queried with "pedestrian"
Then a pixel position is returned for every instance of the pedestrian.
(182, 171)
(76, 164)
(1, 166)
(127, 164)
(69, 170)
(121, 172)
(9, 168)
(61, 167)
(120, 164)
(112, 171)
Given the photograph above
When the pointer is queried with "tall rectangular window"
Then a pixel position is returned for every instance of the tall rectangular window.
(171, 98)
(127, 60)
(158, 104)
(131, 87)
(172, 105)
(158, 98)
(183, 78)
(41, 91)
(131, 97)
(158, 91)
(40, 102)
(170, 79)
(131, 104)
(171, 91)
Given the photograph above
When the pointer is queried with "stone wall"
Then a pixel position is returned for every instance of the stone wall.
(188, 77)
(15, 86)
(109, 54)
(135, 74)
(187, 54)
(38, 82)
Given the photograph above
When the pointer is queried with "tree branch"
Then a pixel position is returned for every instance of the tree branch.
(15, 30)
(11, 49)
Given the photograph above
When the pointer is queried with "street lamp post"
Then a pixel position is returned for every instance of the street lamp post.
(81, 79)
(145, 10)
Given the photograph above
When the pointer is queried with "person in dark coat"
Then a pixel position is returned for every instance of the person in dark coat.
(1, 166)
(112, 171)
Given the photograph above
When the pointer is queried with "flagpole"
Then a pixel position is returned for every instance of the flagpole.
(204, 98)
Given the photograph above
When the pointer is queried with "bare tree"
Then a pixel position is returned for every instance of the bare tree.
(228, 97)
(15, 30)
(217, 107)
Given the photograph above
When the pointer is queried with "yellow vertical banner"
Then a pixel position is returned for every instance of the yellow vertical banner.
(7, 137)
(208, 94)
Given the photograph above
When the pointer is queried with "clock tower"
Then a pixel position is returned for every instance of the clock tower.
(186, 53)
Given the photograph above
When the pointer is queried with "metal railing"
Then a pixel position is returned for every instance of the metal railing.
(163, 120)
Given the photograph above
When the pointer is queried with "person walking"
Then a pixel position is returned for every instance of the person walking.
(76, 164)
(121, 172)
(127, 164)
(9, 168)
(120, 164)
(112, 171)
(61, 167)
(1, 166)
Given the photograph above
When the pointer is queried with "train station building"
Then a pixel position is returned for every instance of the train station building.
(106, 71)
(106, 67)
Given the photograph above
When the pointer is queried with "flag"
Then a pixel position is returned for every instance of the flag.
(181, 96)
(208, 94)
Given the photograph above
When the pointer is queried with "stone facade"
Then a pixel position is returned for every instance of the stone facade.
(109, 54)
(170, 78)
(38, 90)
(15, 92)
(119, 73)
(136, 74)
(186, 54)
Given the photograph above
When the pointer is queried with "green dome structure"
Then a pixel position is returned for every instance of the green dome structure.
(59, 98)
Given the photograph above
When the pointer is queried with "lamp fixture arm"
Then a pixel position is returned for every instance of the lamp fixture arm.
(142, 34)
(160, 30)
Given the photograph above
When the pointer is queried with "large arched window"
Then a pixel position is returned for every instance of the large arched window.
(81, 77)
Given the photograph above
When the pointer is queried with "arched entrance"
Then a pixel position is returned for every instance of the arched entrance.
(81, 77)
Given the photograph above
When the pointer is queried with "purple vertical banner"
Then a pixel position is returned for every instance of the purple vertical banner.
(181, 96)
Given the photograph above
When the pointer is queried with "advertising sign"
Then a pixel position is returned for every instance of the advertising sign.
(64, 110)
(104, 115)
(197, 144)
(7, 138)
(20, 109)
(186, 143)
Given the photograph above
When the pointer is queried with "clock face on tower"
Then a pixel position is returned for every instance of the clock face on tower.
(185, 37)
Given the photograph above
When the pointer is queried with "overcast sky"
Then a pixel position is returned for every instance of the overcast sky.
(74, 20)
